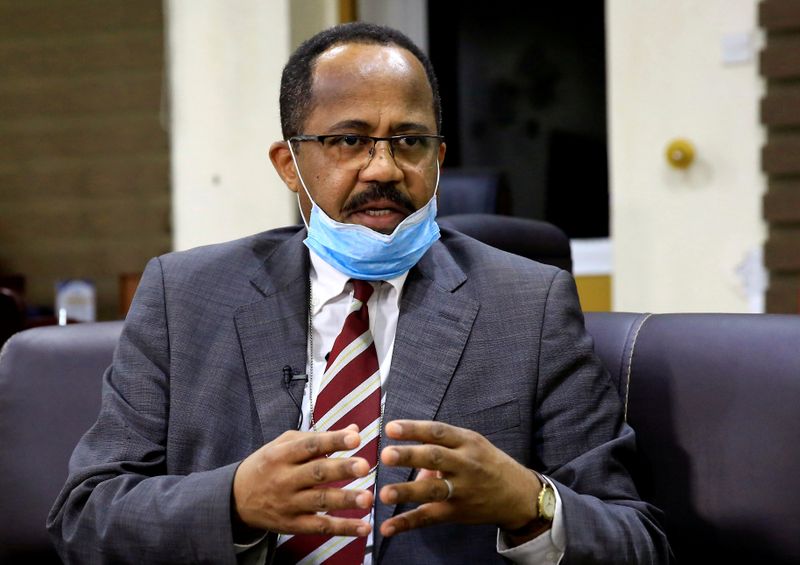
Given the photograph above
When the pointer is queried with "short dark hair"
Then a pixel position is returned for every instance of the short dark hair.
(296, 81)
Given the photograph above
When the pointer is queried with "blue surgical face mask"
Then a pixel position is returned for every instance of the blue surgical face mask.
(363, 253)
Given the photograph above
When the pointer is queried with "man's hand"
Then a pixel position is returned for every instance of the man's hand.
(488, 486)
(279, 487)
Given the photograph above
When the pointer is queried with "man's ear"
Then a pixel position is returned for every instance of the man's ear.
(282, 160)
(442, 151)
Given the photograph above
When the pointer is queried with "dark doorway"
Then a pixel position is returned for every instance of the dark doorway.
(524, 92)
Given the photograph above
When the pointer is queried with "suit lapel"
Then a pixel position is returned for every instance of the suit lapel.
(272, 333)
(433, 327)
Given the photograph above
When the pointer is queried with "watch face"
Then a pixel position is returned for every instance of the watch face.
(548, 504)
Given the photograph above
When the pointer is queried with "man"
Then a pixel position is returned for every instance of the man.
(441, 376)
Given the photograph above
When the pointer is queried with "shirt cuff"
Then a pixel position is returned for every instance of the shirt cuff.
(241, 547)
(547, 548)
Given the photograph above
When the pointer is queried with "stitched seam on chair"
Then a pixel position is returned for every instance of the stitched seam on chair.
(630, 365)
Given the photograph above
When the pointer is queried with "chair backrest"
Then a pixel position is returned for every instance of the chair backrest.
(533, 239)
(50, 380)
(715, 403)
(466, 191)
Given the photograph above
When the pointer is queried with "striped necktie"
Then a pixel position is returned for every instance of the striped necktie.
(350, 392)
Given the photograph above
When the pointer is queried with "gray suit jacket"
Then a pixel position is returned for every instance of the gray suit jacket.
(485, 340)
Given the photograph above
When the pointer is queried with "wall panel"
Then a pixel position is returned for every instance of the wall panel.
(84, 171)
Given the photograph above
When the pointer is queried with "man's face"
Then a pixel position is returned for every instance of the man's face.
(364, 90)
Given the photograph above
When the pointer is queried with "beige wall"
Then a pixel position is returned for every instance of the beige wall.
(311, 16)
(680, 237)
(225, 67)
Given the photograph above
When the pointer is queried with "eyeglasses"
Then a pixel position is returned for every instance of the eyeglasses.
(354, 152)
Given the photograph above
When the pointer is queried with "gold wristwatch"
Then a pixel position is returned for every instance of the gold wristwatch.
(546, 501)
(545, 511)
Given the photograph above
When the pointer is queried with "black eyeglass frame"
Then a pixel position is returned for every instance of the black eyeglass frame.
(321, 139)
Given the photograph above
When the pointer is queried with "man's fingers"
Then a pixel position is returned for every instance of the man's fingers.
(327, 499)
(426, 490)
(438, 433)
(427, 474)
(324, 525)
(425, 515)
(433, 457)
(331, 469)
(304, 446)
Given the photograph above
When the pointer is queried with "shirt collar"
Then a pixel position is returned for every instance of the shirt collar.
(327, 283)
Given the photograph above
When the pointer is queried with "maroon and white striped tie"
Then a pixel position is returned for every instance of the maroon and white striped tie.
(350, 392)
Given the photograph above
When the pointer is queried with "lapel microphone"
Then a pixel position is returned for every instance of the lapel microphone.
(289, 379)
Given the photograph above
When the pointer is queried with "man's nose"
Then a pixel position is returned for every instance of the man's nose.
(382, 166)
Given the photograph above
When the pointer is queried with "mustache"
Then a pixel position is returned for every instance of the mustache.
(379, 191)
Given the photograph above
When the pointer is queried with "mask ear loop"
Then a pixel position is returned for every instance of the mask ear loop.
(438, 173)
(303, 184)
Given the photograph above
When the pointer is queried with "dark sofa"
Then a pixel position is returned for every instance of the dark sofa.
(714, 399)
